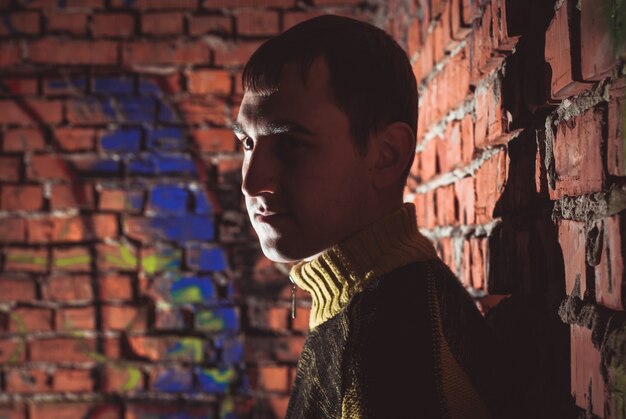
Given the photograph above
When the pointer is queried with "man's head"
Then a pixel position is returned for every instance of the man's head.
(328, 126)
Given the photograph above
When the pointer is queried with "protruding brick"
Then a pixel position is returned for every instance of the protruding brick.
(609, 272)
(616, 138)
(572, 239)
(577, 147)
(588, 387)
(491, 180)
(597, 46)
(558, 55)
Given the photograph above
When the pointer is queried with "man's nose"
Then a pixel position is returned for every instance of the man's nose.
(259, 171)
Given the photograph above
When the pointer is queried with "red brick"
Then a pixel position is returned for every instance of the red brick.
(13, 411)
(122, 378)
(75, 139)
(293, 18)
(466, 198)
(234, 54)
(73, 380)
(491, 180)
(32, 380)
(428, 160)
(572, 240)
(30, 319)
(20, 23)
(257, 23)
(72, 259)
(22, 85)
(22, 197)
(68, 288)
(558, 56)
(124, 318)
(616, 133)
(28, 260)
(301, 322)
(577, 149)
(165, 52)
(274, 378)
(17, 289)
(81, 111)
(425, 62)
(209, 82)
(74, 23)
(169, 23)
(158, 4)
(112, 348)
(119, 25)
(597, 51)
(48, 167)
(68, 410)
(70, 196)
(446, 214)
(72, 229)
(467, 139)
(449, 148)
(73, 52)
(588, 386)
(200, 110)
(12, 229)
(115, 287)
(445, 249)
(12, 351)
(459, 28)
(115, 200)
(277, 318)
(11, 166)
(214, 140)
(23, 139)
(218, 4)
(10, 54)
(609, 273)
(277, 403)
(69, 4)
(479, 262)
(202, 24)
(75, 318)
(151, 348)
(62, 350)
(30, 111)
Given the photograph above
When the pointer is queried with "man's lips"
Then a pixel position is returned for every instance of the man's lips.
(270, 216)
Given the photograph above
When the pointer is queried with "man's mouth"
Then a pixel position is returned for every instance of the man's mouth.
(270, 216)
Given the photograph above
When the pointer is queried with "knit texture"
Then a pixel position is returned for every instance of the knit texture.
(393, 333)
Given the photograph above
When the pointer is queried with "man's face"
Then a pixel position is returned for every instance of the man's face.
(306, 188)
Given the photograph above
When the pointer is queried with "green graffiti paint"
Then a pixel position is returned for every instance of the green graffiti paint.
(133, 380)
(159, 262)
(69, 261)
(21, 346)
(187, 348)
(124, 260)
(208, 321)
(27, 259)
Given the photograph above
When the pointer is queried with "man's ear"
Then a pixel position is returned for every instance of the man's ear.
(395, 145)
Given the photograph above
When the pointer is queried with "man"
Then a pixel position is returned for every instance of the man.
(327, 124)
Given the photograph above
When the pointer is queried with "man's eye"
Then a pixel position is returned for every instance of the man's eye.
(247, 143)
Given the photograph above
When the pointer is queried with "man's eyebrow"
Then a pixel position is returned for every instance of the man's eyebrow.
(275, 127)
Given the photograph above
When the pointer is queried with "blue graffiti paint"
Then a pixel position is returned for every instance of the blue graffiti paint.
(230, 348)
(113, 85)
(216, 380)
(121, 140)
(193, 289)
(205, 257)
(102, 167)
(161, 164)
(181, 229)
(221, 319)
(8, 24)
(166, 114)
(202, 204)
(173, 381)
(169, 200)
(77, 83)
(166, 139)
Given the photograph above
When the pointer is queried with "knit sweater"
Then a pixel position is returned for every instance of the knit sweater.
(393, 334)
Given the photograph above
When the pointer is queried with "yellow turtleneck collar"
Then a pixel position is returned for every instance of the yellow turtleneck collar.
(341, 271)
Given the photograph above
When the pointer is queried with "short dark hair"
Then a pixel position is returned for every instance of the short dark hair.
(371, 78)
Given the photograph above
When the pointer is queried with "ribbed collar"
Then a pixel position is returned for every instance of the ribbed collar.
(341, 271)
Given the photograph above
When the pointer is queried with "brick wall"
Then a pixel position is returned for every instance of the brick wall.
(131, 284)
